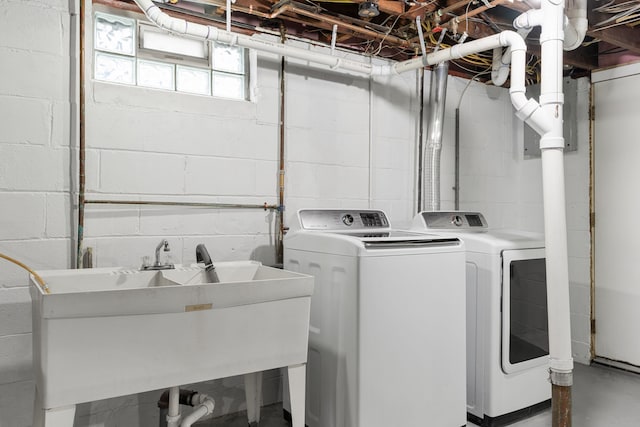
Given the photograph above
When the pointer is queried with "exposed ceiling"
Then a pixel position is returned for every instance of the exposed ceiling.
(612, 37)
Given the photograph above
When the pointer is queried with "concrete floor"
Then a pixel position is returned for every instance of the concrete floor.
(602, 397)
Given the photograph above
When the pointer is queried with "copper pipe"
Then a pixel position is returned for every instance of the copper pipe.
(82, 140)
(455, 6)
(560, 406)
(281, 162)
(264, 206)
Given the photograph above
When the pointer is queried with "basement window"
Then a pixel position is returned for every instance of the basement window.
(139, 54)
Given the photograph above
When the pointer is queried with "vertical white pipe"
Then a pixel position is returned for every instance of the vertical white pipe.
(552, 146)
(228, 15)
(173, 413)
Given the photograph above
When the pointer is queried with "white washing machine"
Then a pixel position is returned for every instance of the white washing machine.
(387, 327)
(507, 334)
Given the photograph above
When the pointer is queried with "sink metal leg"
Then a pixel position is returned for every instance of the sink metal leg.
(297, 379)
(253, 393)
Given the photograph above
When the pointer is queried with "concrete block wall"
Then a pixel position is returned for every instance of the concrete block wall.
(35, 158)
(350, 142)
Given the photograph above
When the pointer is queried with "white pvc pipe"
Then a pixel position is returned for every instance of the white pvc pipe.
(228, 15)
(500, 66)
(173, 413)
(206, 406)
(552, 146)
(577, 24)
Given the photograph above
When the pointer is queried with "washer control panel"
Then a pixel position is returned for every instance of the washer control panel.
(453, 220)
(336, 220)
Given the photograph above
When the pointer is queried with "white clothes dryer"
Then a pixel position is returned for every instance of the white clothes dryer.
(387, 326)
(507, 333)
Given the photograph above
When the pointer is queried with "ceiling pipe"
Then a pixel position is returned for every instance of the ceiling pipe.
(526, 109)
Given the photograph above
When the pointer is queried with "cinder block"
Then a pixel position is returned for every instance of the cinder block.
(220, 176)
(580, 295)
(302, 180)
(16, 403)
(142, 173)
(59, 216)
(39, 255)
(230, 248)
(30, 73)
(15, 311)
(34, 168)
(111, 220)
(61, 123)
(156, 100)
(25, 121)
(580, 328)
(22, 215)
(15, 358)
(30, 26)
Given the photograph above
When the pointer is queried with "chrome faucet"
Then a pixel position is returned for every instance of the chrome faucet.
(157, 265)
(202, 256)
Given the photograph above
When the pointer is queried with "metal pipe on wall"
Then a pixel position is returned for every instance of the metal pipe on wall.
(281, 152)
(431, 169)
(82, 140)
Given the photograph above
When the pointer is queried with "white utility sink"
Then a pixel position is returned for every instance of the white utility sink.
(108, 332)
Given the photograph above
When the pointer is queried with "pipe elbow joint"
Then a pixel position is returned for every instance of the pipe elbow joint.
(514, 40)
(529, 111)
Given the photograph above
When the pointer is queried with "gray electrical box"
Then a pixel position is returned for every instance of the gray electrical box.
(531, 137)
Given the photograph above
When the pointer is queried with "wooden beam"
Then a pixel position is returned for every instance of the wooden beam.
(585, 58)
(621, 35)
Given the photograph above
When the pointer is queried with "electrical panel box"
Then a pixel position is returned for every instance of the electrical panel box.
(570, 126)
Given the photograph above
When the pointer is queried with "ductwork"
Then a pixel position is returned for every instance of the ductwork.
(433, 147)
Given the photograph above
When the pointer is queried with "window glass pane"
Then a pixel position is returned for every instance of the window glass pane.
(164, 42)
(112, 68)
(228, 85)
(228, 58)
(115, 34)
(155, 74)
(193, 80)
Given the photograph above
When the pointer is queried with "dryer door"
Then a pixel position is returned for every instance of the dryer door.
(525, 334)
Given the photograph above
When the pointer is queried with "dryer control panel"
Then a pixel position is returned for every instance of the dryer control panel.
(343, 220)
(452, 220)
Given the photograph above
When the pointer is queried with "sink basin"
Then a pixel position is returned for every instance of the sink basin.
(109, 332)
